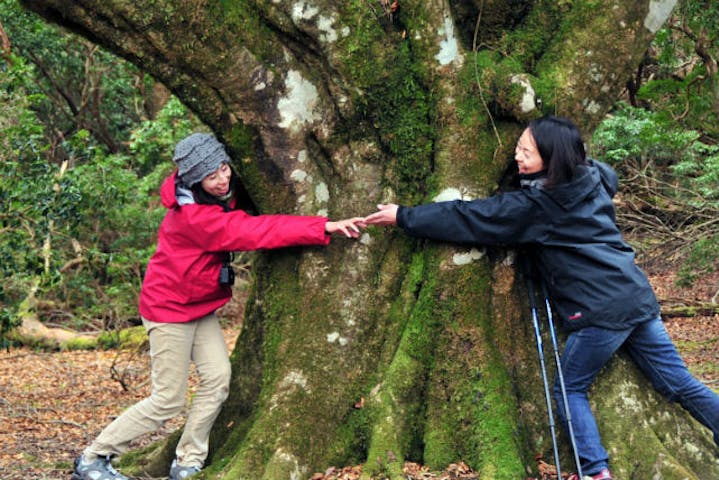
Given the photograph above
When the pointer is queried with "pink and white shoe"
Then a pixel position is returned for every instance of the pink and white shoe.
(603, 475)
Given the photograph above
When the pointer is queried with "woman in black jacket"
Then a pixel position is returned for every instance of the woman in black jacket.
(564, 214)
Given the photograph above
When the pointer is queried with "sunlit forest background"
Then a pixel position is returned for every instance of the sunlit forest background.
(86, 138)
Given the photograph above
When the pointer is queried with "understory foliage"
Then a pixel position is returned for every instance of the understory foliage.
(664, 142)
(637, 141)
(669, 185)
(79, 213)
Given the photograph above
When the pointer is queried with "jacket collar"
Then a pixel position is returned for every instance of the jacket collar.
(536, 180)
(183, 194)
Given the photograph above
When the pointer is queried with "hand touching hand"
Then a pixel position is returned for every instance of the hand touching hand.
(350, 227)
(386, 215)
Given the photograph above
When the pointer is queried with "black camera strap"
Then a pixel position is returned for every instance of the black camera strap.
(227, 274)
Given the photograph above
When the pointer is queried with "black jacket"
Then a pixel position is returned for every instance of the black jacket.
(588, 268)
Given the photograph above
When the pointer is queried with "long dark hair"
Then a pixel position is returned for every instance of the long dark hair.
(239, 193)
(561, 147)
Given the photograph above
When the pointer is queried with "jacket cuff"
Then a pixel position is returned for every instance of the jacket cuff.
(401, 216)
(327, 236)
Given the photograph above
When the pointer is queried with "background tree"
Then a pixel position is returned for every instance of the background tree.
(79, 86)
(82, 144)
(387, 348)
(664, 139)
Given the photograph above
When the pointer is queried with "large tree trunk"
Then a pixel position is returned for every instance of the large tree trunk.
(389, 349)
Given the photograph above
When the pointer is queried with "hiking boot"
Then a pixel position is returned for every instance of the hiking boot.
(603, 475)
(178, 472)
(99, 469)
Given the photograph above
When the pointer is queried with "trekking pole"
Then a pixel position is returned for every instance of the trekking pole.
(540, 349)
(560, 376)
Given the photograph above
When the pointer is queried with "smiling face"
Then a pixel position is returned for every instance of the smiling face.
(218, 182)
(526, 154)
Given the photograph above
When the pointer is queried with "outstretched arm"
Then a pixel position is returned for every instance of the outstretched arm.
(506, 219)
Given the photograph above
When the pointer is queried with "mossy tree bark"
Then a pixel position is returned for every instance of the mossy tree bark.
(388, 349)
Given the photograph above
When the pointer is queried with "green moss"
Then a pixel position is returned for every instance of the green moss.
(243, 429)
(538, 30)
(132, 337)
(352, 438)
(526, 49)
(153, 460)
(371, 37)
(240, 140)
(247, 21)
(570, 46)
(400, 109)
(632, 416)
(495, 429)
(82, 343)
(264, 442)
(539, 47)
(472, 412)
(398, 406)
(282, 305)
(393, 98)
(489, 158)
(128, 338)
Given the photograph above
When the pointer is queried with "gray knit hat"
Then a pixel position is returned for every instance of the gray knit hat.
(197, 156)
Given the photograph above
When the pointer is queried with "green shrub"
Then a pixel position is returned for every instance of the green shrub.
(676, 177)
(81, 227)
(660, 148)
(637, 135)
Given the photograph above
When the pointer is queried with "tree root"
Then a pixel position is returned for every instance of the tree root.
(691, 310)
(33, 333)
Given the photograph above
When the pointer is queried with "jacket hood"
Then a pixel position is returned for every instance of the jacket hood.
(585, 185)
(174, 193)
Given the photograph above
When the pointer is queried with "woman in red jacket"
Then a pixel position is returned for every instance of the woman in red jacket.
(187, 279)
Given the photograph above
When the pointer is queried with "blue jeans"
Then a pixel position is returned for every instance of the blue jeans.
(589, 349)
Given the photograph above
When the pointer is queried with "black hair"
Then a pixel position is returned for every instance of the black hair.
(560, 145)
(239, 192)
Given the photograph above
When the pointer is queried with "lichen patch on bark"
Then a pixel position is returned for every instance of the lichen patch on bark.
(448, 46)
(298, 106)
(659, 11)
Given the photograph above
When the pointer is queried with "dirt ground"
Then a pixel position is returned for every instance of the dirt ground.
(52, 404)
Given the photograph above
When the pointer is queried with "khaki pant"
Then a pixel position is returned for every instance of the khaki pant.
(172, 347)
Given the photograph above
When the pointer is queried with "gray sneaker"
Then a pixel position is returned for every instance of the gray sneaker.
(178, 472)
(100, 469)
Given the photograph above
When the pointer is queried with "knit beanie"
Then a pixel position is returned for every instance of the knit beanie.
(197, 156)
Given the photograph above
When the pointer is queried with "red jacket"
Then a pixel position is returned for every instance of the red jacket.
(182, 279)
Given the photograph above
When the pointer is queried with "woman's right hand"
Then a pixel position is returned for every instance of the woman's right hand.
(386, 215)
(350, 227)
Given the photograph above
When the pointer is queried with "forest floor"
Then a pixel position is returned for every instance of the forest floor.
(52, 404)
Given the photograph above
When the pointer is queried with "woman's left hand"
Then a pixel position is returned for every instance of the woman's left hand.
(350, 227)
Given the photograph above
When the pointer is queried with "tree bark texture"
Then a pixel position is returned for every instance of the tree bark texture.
(389, 349)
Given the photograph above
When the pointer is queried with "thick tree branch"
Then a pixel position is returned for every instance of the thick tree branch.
(5, 45)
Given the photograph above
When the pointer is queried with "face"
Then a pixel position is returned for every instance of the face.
(526, 154)
(218, 182)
